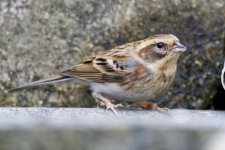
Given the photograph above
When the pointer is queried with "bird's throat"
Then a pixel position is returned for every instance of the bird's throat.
(167, 66)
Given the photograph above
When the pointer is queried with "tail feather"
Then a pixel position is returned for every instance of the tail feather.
(42, 82)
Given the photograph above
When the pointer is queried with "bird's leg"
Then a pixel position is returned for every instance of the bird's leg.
(150, 105)
(105, 102)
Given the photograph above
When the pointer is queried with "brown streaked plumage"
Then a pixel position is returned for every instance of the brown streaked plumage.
(131, 72)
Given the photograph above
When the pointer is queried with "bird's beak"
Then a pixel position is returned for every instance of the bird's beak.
(178, 47)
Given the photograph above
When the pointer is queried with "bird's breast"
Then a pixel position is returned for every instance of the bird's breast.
(148, 85)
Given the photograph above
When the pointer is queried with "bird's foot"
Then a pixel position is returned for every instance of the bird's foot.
(150, 105)
(109, 105)
(105, 102)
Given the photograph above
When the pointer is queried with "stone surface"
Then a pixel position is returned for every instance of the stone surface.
(40, 38)
(99, 129)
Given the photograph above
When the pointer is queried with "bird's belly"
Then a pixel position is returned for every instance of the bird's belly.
(148, 91)
(140, 91)
(112, 91)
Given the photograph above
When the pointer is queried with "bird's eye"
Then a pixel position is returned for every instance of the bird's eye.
(160, 45)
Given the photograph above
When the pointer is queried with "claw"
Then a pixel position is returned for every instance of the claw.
(159, 109)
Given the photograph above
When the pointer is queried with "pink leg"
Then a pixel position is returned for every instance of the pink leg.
(107, 103)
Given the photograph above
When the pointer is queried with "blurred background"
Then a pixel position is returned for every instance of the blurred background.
(40, 38)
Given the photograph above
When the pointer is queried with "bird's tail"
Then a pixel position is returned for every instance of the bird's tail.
(56, 79)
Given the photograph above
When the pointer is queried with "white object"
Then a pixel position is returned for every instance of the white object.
(222, 76)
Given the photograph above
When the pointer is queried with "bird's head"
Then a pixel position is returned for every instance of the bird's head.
(160, 48)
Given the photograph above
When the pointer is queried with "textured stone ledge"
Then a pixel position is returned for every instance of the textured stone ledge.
(12, 118)
(98, 129)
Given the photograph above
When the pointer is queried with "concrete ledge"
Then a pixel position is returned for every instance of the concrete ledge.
(98, 129)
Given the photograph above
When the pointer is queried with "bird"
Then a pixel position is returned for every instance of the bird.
(138, 71)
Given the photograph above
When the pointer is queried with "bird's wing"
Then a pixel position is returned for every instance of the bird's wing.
(111, 66)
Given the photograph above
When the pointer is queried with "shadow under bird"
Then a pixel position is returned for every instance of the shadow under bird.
(133, 72)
